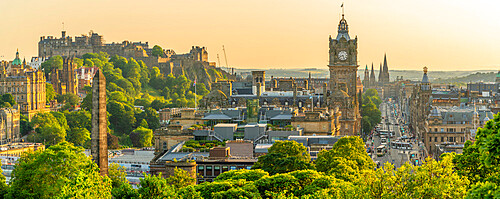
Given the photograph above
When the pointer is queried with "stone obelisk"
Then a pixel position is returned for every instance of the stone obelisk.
(99, 135)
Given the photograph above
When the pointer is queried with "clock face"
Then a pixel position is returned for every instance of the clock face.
(342, 55)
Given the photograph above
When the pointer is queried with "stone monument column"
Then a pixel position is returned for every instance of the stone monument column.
(99, 135)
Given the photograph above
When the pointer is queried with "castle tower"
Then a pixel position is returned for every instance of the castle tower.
(99, 135)
(343, 68)
(258, 77)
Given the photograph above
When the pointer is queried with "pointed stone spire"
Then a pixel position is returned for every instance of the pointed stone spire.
(386, 69)
(380, 74)
(372, 77)
(366, 80)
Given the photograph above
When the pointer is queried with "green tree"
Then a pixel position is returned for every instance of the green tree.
(50, 94)
(366, 124)
(158, 51)
(55, 62)
(122, 117)
(480, 161)
(201, 89)
(283, 157)
(78, 61)
(248, 175)
(279, 183)
(121, 189)
(155, 187)
(143, 124)
(78, 136)
(373, 95)
(144, 72)
(61, 119)
(158, 104)
(25, 126)
(181, 178)
(48, 129)
(60, 171)
(69, 100)
(141, 137)
(7, 97)
(152, 118)
(117, 96)
(3, 185)
(79, 119)
(370, 112)
(346, 159)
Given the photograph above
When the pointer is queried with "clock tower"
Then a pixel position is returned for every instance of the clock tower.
(343, 68)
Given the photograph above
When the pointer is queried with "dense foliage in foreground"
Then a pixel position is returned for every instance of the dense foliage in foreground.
(346, 171)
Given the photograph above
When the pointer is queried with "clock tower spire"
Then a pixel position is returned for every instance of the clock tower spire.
(343, 66)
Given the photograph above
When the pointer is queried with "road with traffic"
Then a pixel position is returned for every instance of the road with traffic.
(392, 123)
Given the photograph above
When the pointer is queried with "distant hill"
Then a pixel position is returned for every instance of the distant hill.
(475, 77)
(434, 76)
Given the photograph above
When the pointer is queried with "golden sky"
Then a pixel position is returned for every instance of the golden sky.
(440, 34)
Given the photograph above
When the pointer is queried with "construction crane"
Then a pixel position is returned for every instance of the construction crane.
(223, 49)
(218, 60)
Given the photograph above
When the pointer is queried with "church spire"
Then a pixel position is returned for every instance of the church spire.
(372, 77)
(386, 69)
(366, 81)
(380, 74)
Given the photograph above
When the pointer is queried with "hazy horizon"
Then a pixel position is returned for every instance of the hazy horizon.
(442, 35)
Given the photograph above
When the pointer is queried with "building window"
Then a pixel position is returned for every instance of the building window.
(442, 129)
(462, 139)
(216, 170)
(209, 171)
(442, 139)
(430, 139)
(225, 168)
(201, 171)
(233, 167)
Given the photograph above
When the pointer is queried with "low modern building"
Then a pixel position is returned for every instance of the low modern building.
(202, 165)
(315, 144)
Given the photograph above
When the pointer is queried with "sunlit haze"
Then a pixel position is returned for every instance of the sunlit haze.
(443, 35)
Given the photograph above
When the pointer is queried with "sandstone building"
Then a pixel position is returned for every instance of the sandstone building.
(64, 80)
(27, 86)
(9, 125)
(342, 90)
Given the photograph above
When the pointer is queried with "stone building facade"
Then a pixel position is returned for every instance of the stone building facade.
(453, 126)
(27, 86)
(64, 80)
(9, 125)
(419, 105)
(84, 77)
(342, 90)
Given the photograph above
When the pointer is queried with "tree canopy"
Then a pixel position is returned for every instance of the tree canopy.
(60, 171)
(284, 156)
